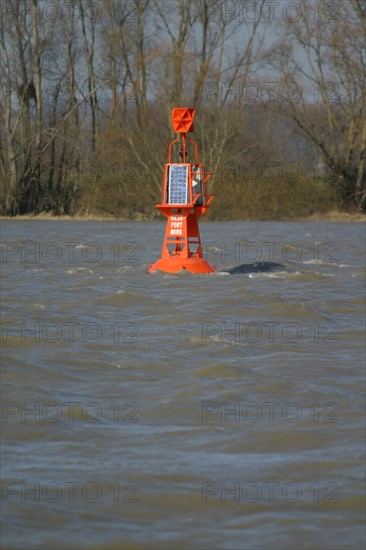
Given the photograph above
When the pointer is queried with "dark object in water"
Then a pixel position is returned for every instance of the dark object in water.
(257, 267)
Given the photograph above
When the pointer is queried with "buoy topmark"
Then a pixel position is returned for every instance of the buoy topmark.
(184, 199)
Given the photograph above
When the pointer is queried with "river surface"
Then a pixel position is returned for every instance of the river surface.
(160, 411)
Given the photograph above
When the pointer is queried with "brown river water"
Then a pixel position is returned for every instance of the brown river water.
(159, 411)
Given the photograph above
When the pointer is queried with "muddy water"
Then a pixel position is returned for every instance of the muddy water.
(183, 411)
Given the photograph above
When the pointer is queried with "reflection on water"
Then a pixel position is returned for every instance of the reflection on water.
(182, 411)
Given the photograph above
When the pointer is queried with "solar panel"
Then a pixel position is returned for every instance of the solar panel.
(178, 183)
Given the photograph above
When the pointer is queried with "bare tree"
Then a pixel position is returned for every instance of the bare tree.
(322, 59)
(88, 26)
(23, 46)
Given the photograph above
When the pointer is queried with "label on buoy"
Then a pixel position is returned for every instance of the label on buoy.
(176, 225)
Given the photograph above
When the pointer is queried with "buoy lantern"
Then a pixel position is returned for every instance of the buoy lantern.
(184, 199)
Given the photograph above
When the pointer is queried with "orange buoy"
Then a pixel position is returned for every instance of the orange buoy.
(184, 199)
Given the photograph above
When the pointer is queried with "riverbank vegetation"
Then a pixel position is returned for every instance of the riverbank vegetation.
(87, 89)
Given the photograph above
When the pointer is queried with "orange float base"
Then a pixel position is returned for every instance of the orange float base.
(193, 264)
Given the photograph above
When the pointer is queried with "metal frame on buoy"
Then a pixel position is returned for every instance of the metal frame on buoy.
(184, 199)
